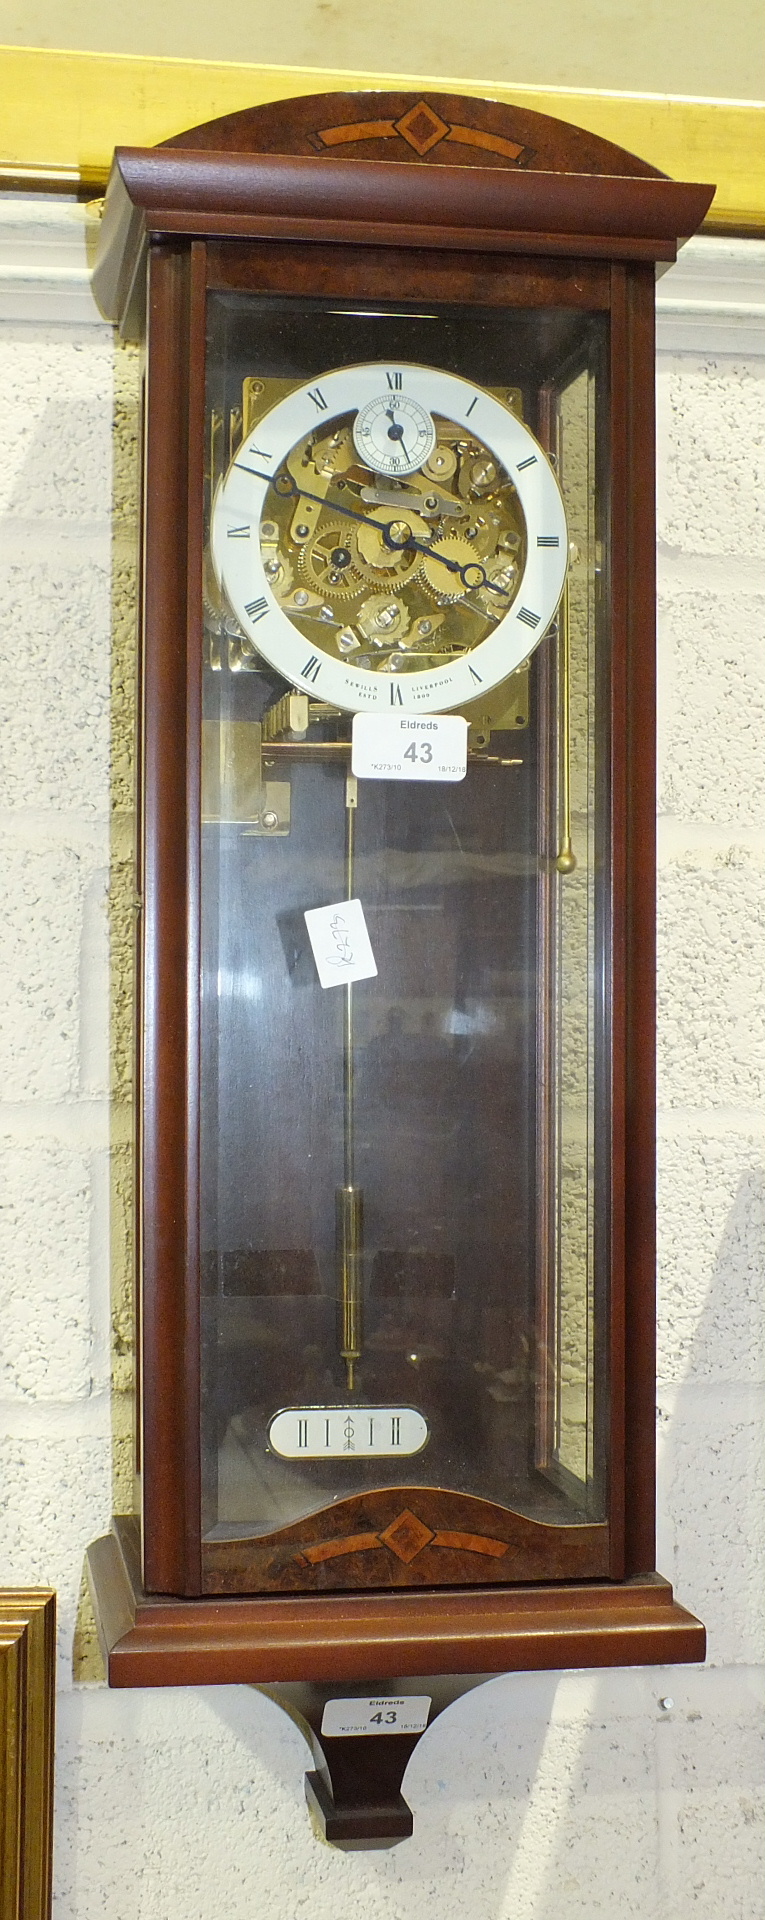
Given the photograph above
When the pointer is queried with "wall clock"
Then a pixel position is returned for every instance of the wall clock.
(396, 962)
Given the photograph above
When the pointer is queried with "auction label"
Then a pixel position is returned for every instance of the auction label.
(407, 746)
(352, 1719)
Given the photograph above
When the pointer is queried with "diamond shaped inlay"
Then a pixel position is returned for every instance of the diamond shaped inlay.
(422, 128)
(406, 1536)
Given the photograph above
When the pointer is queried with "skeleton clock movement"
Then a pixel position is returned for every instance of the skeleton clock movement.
(395, 959)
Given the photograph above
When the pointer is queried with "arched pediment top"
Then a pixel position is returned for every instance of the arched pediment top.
(434, 171)
(451, 129)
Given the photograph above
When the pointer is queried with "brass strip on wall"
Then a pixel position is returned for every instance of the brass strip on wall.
(69, 110)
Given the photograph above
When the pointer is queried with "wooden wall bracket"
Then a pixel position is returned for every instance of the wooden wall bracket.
(354, 1794)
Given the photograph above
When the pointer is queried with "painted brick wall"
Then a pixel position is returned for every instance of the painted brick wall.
(537, 1795)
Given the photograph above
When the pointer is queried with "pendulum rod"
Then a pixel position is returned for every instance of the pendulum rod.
(566, 857)
(349, 1199)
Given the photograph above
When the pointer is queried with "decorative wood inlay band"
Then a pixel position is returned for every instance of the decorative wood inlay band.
(337, 1549)
(358, 130)
(406, 1536)
(471, 1543)
(422, 129)
(493, 142)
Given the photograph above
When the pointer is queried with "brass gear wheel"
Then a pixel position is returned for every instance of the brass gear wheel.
(379, 564)
(329, 563)
(480, 474)
(383, 620)
(484, 531)
(441, 463)
(445, 583)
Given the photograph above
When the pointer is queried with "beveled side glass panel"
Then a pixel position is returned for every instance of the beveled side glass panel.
(453, 1095)
(575, 950)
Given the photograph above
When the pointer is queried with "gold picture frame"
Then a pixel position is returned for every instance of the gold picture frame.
(27, 1718)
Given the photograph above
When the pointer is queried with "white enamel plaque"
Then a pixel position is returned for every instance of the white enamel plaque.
(320, 1433)
(391, 746)
(352, 1719)
(340, 943)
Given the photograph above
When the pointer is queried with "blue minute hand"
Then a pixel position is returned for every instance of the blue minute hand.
(288, 486)
(473, 575)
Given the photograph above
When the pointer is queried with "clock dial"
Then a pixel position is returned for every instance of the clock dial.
(391, 546)
(394, 434)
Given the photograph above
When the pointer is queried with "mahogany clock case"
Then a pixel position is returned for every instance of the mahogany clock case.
(281, 243)
(447, 1050)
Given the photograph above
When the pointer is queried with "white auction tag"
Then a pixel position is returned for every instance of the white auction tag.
(340, 942)
(407, 746)
(352, 1719)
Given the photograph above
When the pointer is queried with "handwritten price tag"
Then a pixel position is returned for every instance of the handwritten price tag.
(340, 943)
(407, 746)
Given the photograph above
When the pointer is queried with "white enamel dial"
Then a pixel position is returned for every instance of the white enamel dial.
(394, 434)
(409, 591)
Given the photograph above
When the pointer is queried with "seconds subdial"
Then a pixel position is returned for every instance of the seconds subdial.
(394, 434)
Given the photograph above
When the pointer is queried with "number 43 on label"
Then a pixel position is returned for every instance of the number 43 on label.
(357, 1719)
(408, 746)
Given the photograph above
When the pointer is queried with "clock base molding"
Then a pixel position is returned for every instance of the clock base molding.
(155, 1640)
(344, 1665)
